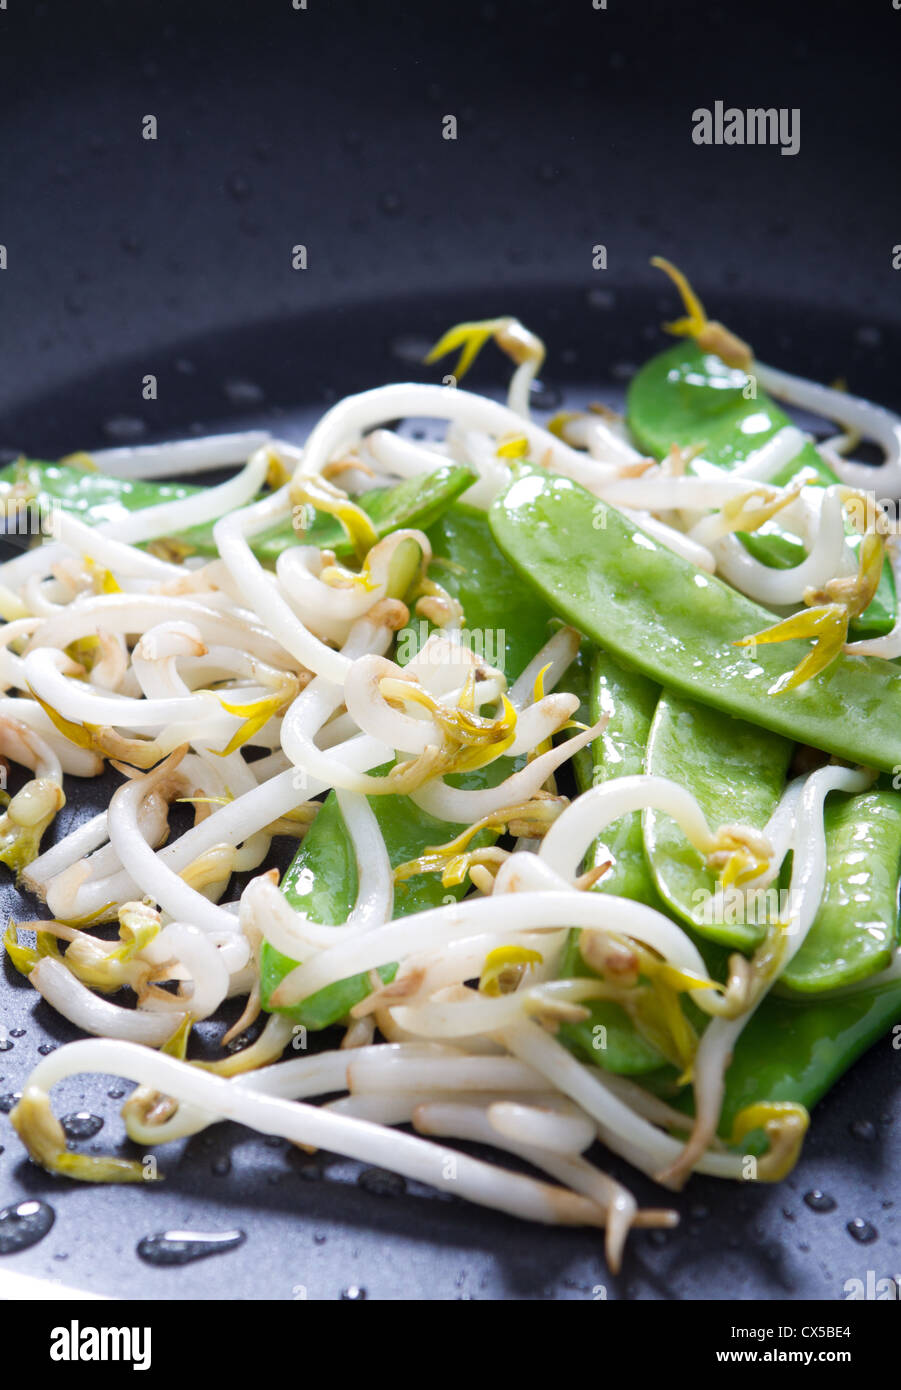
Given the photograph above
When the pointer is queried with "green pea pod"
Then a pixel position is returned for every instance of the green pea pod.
(737, 772)
(92, 497)
(629, 699)
(608, 1036)
(855, 931)
(504, 625)
(678, 625)
(322, 881)
(413, 502)
(796, 1051)
(687, 397)
(503, 622)
(95, 497)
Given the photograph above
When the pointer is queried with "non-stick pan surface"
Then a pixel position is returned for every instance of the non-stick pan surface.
(126, 257)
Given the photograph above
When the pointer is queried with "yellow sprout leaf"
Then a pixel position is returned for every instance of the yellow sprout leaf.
(827, 625)
(709, 335)
(24, 958)
(471, 337)
(785, 1124)
(323, 497)
(516, 448)
(104, 580)
(177, 1045)
(256, 715)
(44, 1138)
(500, 961)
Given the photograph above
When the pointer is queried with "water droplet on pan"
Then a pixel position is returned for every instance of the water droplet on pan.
(24, 1225)
(183, 1247)
(819, 1201)
(81, 1125)
(380, 1183)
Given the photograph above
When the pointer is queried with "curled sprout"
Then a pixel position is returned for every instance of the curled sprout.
(45, 1139)
(829, 614)
(785, 1124)
(322, 496)
(25, 819)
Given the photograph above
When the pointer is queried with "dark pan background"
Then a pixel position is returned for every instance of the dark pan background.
(323, 127)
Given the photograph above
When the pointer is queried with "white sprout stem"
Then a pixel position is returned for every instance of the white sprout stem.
(872, 421)
(568, 839)
(404, 457)
(888, 646)
(805, 894)
(375, 880)
(414, 1158)
(181, 456)
(262, 594)
(767, 585)
(558, 653)
(436, 927)
(147, 870)
(622, 1129)
(448, 1119)
(461, 806)
(99, 1016)
(126, 613)
(343, 426)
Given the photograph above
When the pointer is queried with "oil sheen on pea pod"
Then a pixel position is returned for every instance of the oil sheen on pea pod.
(506, 626)
(855, 932)
(794, 1050)
(737, 772)
(688, 397)
(678, 625)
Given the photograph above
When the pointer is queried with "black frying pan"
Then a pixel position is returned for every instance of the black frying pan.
(323, 127)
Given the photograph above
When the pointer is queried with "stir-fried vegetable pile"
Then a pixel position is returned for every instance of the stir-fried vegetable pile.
(588, 731)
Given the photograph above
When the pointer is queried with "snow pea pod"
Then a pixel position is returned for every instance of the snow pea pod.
(506, 626)
(608, 1037)
(688, 397)
(95, 497)
(796, 1051)
(414, 502)
(737, 772)
(503, 623)
(856, 928)
(322, 881)
(629, 699)
(678, 625)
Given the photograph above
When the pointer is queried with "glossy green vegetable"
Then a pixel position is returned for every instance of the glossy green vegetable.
(856, 928)
(688, 397)
(414, 502)
(95, 497)
(322, 881)
(503, 621)
(629, 699)
(678, 625)
(737, 772)
(506, 625)
(795, 1051)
